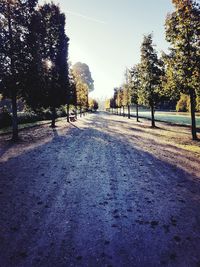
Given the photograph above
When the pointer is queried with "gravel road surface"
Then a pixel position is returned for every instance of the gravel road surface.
(103, 191)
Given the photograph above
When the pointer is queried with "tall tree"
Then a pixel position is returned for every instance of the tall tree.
(127, 92)
(81, 91)
(135, 87)
(83, 72)
(55, 56)
(51, 50)
(93, 104)
(119, 99)
(15, 17)
(72, 94)
(35, 93)
(83, 80)
(113, 103)
(115, 98)
(124, 97)
(150, 76)
(182, 31)
(82, 95)
(107, 104)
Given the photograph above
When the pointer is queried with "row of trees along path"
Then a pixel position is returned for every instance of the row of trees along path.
(34, 60)
(156, 80)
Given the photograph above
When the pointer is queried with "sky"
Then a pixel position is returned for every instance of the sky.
(107, 35)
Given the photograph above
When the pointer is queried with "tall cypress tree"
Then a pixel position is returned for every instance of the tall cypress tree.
(150, 76)
(135, 87)
(127, 92)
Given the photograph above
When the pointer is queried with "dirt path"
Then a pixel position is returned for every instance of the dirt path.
(104, 192)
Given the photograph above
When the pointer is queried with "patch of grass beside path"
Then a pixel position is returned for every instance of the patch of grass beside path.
(171, 117)
(176, 135)
(191, 148)
(170, 133)
(167, 122)
(8, 130)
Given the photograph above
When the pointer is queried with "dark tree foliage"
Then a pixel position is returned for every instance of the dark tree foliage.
(112, 103)
(34, 92)
(54, 51)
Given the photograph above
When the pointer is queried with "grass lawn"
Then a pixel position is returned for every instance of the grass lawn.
(173, 117)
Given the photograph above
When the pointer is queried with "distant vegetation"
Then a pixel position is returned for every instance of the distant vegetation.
(93, 105)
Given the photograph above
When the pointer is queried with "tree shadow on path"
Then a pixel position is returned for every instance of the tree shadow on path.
(91, 198)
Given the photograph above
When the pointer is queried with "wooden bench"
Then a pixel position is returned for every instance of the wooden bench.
(72, 117)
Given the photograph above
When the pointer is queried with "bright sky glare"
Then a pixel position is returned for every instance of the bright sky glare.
(107, 34)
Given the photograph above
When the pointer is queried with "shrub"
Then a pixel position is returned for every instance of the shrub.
(61, 112)
(5, 118)
(198, 103)
(183, 104)
(45, 114)
(28, 117)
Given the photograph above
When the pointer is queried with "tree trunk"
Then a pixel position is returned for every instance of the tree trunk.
(76, 112)
(123, 111)
(137, 112)
(152, 117)
(80, 111)
(13, 92)
(53, 118)
(129, 112)
(14, 117)
(192, 106)
(68, 113)
(120, 111)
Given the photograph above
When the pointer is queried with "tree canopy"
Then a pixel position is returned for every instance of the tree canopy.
(83, 72)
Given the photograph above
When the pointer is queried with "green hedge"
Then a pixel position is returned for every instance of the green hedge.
(5, 118)
(28, 116)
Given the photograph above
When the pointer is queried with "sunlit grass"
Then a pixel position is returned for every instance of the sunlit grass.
(172, 117)
(191, 148)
